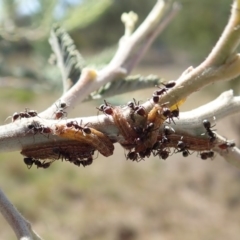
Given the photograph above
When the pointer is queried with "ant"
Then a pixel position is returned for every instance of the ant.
(146, 153)
(105, 108)
(207, 126)
(35, 127)
(30, 161)
(84, 129)
(133, 156)
(182, 147)
(87, 162)
(205, 155)
(26, 114)
(226, 145)
(42, 165)
(60, 113)
(163, 153)
(167, 86)
(167, 113)
(166, 132)
(135, 107)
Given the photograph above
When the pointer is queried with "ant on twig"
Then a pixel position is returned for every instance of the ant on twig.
(136, 108)
(26, 114)
(84, 129)
(208, 127)
(183, 147)
(35, 127)
(106, 108)
(60, 113)
(156, 95)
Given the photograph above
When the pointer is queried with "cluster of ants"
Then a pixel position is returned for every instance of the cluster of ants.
(164, 143)
(142, 140)
(162, 148)
(30, 161)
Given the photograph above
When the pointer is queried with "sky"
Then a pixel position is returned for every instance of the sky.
(28, 7)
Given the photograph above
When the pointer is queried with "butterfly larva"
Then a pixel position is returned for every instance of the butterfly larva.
(97, 139)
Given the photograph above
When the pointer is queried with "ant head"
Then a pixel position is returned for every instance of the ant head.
(132, 155)
(206, 124)
(175, 112)
(164, 154)
(15, 116)
(32, 113)
(203, 155)
(63, 105)
(155, 98)
(87, 130)
(185, 153)
(166, 112)
(131, 104)
(69, 124)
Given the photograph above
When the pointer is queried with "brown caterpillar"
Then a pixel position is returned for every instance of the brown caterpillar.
(59, 150)
(123, 125)
(96, 139)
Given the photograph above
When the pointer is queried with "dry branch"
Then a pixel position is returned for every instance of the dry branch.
(128, 125)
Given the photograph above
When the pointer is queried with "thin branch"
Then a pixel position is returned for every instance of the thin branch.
(153, 35)
(189, 122)
(19, 224)
(220, 65)
(231, 156)
(91, 80)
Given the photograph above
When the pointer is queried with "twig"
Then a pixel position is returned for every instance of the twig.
(189, 122)
(152, 36)
(19, 224)
(91, 80)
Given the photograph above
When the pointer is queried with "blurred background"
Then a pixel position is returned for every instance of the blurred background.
(115, 199)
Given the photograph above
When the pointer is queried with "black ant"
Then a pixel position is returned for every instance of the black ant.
(60, 113)
(167, 113)
(35, 127)
(87, 162)
(207, 126)
(167, 86)
(84, 129)
(106, 108)
(146, 153)
(133, 156)
(136, 108)
(29, 161)
(182, 147)
(205, 155)
(156, 95)
(26, 114)
(163, 153)
(42, 165)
